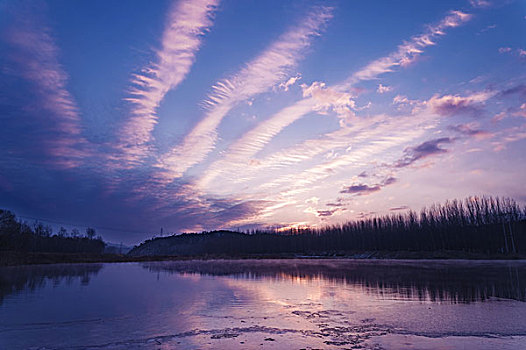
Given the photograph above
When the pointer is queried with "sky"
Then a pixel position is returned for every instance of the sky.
(194, 115)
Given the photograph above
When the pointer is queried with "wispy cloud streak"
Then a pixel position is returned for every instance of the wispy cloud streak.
(335, 97)
(36, 56)
(259, 75)
(187, 21)
(409, 51)
(239, 154)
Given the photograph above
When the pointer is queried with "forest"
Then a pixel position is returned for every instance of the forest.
(19, 236)
(485, 225)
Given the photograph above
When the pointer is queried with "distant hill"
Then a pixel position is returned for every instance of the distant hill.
(191, 244)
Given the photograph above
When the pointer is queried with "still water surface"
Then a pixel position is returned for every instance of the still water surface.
(271, 304)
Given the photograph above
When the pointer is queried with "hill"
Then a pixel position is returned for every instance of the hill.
(191, 244)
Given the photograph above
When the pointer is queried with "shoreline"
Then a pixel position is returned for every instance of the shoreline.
(12, 258)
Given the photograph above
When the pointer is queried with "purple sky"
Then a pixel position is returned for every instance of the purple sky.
(209, 114)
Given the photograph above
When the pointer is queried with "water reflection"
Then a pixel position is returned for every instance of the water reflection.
(443, 281)
(265, 304)
(14, 280)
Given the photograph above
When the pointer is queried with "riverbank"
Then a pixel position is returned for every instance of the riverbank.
(10, 258)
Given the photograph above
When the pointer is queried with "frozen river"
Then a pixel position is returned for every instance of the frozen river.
(265, 304)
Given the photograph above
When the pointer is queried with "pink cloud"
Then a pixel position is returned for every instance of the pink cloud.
(240, 153)
(319, 97)
(240, 167)
(291, 81)
(498, 117)
(448, 105)
(36, 54)
(327, 98)
(509, 135)
(187, 21)
(471, 130)
(382, 89)
(521, 112)
(409, 51)
(259, 76)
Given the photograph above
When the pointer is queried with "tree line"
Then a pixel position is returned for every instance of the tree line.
(19, 236)
(485, 225)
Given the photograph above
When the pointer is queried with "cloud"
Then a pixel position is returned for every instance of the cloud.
(521, 53)
(518, 89)
(448, 105)
(292, 80)
(234, 164)
(498, 117)
(338, 203)
(389, 181)
(362, 190)
(520, 112)
(235, 214)
(513, 111)
(382, 89)
(402, 101)
(363, 174)
(35, 58)
(186, 23)
(329, 99)
(313, 200)
(509, 135)
(318, 97)
(259, 75)
(409, 51)
(327, 213)
(490, 27)
(470, 130)
(479, 3)
(423, 150)
(180, 206)
(370, 136)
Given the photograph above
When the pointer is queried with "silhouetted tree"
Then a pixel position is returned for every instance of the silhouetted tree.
(478, 225)
(90, 233)
(62, 232)
(19, 236)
